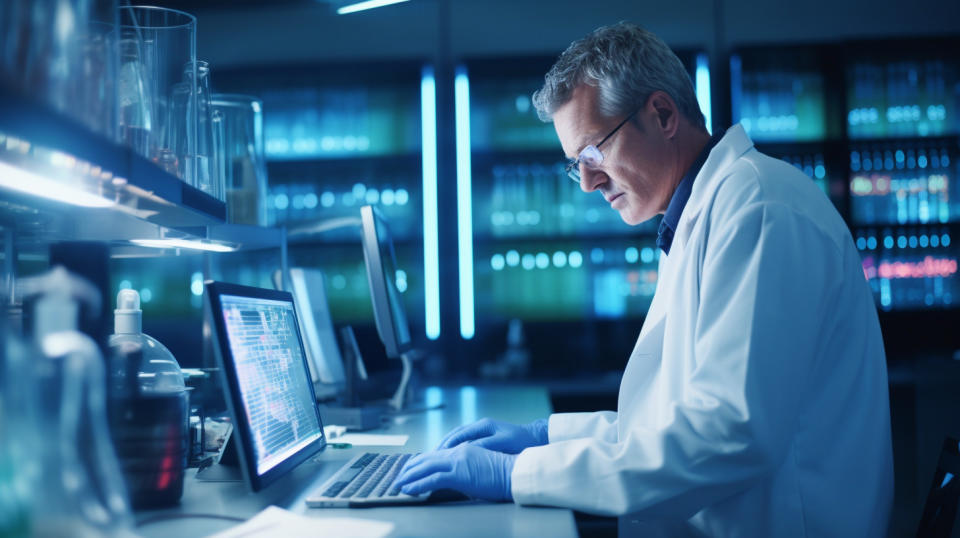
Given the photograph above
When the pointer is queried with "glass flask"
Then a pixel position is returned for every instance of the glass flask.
(245, 170)
(207, 175)
(135, 97)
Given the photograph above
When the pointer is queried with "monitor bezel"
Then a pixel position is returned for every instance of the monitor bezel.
(242, 434)
(377, 280)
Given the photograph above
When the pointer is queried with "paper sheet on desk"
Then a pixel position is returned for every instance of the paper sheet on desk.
(274, 521)
(371, 439)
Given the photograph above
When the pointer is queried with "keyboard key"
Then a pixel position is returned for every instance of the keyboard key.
(336, 488)
(391, 476)
(394, 491)
(364, 477)
(385, 465)
(365, 460)
(371, 476)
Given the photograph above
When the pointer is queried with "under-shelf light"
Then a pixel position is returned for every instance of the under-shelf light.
(192, 244)
(369, 4)
(18, 179)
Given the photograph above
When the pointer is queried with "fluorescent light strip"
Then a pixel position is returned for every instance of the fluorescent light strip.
(431, 241)
(703, 89)
(183, 243)
(369, 4)
(18, 179)
(461, 88)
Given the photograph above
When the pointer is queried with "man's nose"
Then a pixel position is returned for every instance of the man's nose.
(591, 179)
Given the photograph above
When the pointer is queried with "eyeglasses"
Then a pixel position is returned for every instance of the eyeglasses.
(590, 156)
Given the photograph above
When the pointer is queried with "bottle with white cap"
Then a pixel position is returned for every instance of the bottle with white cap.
(149, 409)
(159, 371)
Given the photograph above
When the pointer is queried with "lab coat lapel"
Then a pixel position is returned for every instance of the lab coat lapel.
(731, 147)
(647, 357)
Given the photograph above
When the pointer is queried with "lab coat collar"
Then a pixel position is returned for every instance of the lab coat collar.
(732, 146)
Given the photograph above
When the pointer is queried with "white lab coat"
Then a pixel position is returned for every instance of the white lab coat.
(755, 401)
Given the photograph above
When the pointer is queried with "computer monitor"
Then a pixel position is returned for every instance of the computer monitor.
(323, 353)
(388, 314)
(381, 263)
(266, 380)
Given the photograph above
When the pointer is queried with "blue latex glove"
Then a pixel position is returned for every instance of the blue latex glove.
(499, 436)
(471, 470)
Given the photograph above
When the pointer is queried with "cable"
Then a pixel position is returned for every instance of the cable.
(165, 517)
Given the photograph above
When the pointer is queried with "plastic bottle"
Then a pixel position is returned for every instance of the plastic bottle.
(65, 479)
(149, 409)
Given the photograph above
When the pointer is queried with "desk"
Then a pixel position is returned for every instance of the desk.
(462, 405)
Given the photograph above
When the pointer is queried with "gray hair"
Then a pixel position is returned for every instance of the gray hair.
(627, 64)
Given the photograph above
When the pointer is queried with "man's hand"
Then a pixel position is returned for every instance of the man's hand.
(499, 436)
(469, 469)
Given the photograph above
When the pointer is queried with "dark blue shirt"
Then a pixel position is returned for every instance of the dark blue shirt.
(668, 226)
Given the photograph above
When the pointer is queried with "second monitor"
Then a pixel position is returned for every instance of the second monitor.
(331, 377)
(388, 313)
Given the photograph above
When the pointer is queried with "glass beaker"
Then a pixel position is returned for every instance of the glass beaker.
(97, 89)
(167, 41)
(59, 52)
(244, 166)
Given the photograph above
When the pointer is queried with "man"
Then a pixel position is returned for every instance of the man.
(755, 401)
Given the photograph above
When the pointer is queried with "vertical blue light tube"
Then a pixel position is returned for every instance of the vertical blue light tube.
(431, 241)
(703, 90)
(464, 201)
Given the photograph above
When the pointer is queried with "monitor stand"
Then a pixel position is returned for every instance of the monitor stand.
(353, 414)
(349, 412)
(227, 466)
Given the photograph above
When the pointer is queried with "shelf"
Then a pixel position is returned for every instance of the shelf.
(247, 237)
(610, 237)
(911, 139)
(106, 191)
(907, 226)
(553, 154)
(61, 182)
(342, 241)
(801, 146)
(340, 160)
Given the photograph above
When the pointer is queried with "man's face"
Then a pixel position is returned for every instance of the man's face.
(638, 174)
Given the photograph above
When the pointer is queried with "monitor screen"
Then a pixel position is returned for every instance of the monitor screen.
(267, 379)
(381, 264)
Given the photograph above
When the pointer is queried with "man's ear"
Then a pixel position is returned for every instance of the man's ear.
(668, 117)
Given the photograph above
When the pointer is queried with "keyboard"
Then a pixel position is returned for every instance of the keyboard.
(365, 480)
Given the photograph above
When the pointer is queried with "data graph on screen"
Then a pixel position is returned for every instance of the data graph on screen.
(273, 378)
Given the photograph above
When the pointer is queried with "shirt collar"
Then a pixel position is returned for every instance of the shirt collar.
(668, 226)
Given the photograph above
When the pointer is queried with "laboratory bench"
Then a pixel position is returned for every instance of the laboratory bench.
(460, 405)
